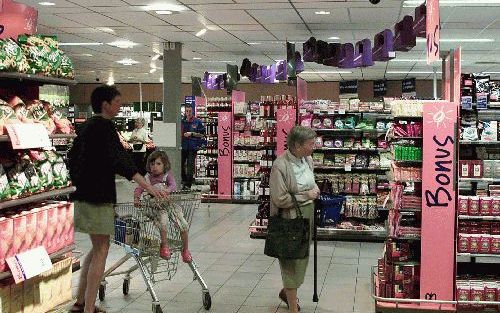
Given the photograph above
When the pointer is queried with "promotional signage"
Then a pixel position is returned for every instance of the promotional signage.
(301, 91)
(29, 264)
(285, 121)
(16, 19)
(190, 101)
(438, 201)
(409, 87)
(457, 74)
(28, 136)
(200, 104)
(225, 155)
(432, 30)
(348, 87)
(379, 88)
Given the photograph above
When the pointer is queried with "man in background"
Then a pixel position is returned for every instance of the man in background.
(193, 133)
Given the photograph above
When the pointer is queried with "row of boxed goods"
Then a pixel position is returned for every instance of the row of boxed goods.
(245, 124)
(349, 143)
(485, 206)
(344, 123)
(478, 290)
(479, 168)
(39, 294)
(246, 170)
(48, 224)
(477, 88)
(361, 207)
(248, 155)
(35, 54)
(401, 251)
(345, 105)
(23, 174)
(479, 227)
(356, 184)
(361, 160)
(483, 131)
(402, 173)
(398, 281)
(246, 188)
(407, 153)
(479, 244)
(408, 129)
(407, 108)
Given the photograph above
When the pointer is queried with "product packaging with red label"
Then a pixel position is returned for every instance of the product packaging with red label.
(485, 244)
(477, 168)
(486, 205)
(464, 169)
(463, 243)
(463, 205)
(474, 204)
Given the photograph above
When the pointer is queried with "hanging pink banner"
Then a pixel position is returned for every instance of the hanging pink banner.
(200, 104)
(432, 30)
(457, 75)
(225, 155)
(301, 91)
(438, 201)
(446, 85)
(286, 119)
(16, 19)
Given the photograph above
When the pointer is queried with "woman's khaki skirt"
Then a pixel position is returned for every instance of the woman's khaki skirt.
(95, 218)
(294, 271)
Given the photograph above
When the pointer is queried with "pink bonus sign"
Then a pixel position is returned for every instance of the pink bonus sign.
(285, 121)
(16, 19)
(438, 201)
(457, 74)
(432, 30)
(225, 155)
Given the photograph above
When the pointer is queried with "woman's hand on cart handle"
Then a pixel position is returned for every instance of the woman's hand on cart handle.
(158, 194)
(313, 194)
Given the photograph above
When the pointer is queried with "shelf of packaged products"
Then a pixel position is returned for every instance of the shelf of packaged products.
(412, 163)
(246, 178)
(205, 178)
(6, 138)
(479, 180)
(37, 197)
(336, 113)
(407, 138)
(208, 154)
(479, 142)
(350, 131)
(38, 79)
(353, 168)
(53, 256)
(400, 117)
(403, 181)
(409, 238)
(246, 162)
(353, 149)
(254, 147)
(478, 258)
(479, 217)
(406, 263)
(257, 232)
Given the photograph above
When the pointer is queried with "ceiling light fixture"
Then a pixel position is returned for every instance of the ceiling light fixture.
(488, 72)
(326, 72)
(479, 40)
(413, 72)
(106, 29)
(334, 38)
(161, 80)
(454, 3)
(156, 57)
(124, 44)
(80, 43)
(127, 62)
(322, 12)
(164, 12)
(201, 32)
(254, 43)
(45, 3)
(408, 60)
(111, 80)
(164, 7)
(196, 58)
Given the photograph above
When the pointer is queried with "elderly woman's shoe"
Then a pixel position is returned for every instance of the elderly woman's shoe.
(282, 296)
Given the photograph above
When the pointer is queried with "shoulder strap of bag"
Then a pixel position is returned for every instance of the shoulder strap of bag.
(296, 205)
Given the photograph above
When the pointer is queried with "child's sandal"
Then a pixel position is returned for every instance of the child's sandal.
(165, 253)
(186, 256)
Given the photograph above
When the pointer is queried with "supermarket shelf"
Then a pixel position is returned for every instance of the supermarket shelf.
(400, 117)
(480, 180)
(407, 181)
(351, 131)
(378, 112)
(205, 178)
(254, 147)
(37, 197)
(52, 256)
(353, 149)
(410, 238)
(368, 169)
(407, 138)
(6, 138)
(412, 163)
(245, 162)
(406, 263)
(38, 79)
(204, 153)
(479, 142)
(246, 178)
(479, 217)
(478, 258)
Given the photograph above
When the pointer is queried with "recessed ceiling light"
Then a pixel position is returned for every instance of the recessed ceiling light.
(491, 72)
(164, 7)
(80, 43)
(201, 32)
(254, 43)
(130, 77)
(111, 80)
(106, 29)
(322, 12)
(45, 3)
(156, 57)
(124, 44)
(86, 55)
(334, 38)
(161, 79)
(127, 62)
(460, 40)
(196, 58)
(164, 12)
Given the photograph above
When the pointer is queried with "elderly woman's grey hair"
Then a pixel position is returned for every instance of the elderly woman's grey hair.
(141, 120)
(298, 135)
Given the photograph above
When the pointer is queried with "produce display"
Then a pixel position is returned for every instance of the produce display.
(14, 110)
(35, 54)
(26, 173)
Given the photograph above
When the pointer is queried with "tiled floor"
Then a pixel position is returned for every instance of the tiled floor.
(240, 277)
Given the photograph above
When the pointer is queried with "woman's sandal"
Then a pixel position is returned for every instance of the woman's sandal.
(77, 308)
(282, 296)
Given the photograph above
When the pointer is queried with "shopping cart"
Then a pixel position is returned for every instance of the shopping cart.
(137, 230)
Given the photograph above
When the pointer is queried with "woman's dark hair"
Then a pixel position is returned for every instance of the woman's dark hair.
(102, 94)
(158, 154)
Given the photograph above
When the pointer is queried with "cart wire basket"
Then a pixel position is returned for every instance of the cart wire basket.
(137, 230)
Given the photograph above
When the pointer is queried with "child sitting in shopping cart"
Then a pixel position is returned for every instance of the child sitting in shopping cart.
(159, 175)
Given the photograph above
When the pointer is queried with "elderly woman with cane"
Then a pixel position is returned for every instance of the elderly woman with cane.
(293, 188)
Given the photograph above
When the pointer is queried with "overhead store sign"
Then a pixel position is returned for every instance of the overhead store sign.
(409, 87)
(16, 19)
(438, 201)
(432, 30)
(348, 87)
(285, 121)
(379, 88)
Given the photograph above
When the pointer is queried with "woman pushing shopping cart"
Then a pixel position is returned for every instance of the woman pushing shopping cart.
(139, 229)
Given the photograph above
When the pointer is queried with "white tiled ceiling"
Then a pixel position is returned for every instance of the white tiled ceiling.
(265, 24)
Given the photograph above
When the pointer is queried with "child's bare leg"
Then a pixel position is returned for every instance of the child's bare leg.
(163, 235)
(186, 255)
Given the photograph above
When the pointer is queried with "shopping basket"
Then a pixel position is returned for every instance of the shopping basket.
(137, 230)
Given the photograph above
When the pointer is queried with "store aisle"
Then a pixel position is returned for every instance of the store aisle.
(240, 277)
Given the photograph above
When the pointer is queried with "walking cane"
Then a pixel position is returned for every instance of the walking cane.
(315, 238)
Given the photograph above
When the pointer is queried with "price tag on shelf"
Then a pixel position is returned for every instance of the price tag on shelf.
(28, 136)
(59, 141)
(348, 168)
(317, 111)
(341, 111)
(302, 111)
(331, 111)
(29, 264)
